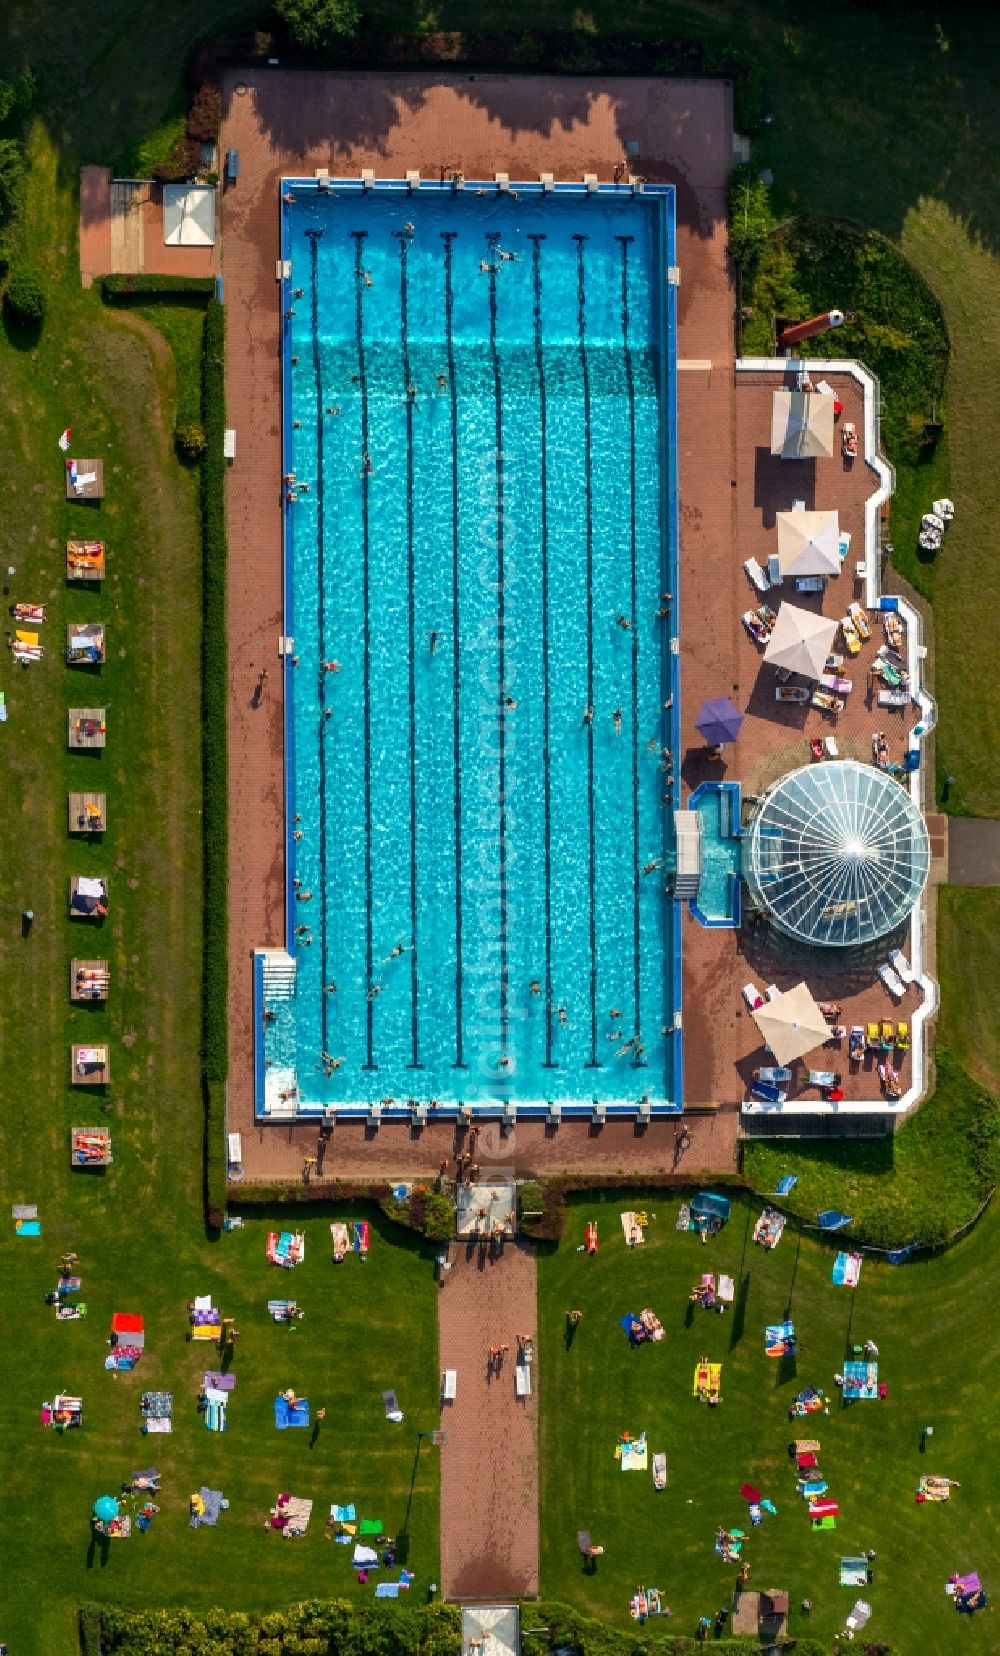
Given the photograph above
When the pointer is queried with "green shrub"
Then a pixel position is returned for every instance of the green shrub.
(156, 148)
(13, 176)
(189, 441)
(215, 1026)
(543, 1216)
(25, 296)
(316, 24)
(439, 1217)
(750, 219)
(331, 1627)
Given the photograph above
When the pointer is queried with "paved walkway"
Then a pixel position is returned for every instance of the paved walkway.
(277, 1152)
(973, 851)
(489, 1459)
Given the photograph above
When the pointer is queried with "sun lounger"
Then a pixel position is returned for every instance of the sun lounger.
(756, 628)
(892, 981)
(449, 1385)
(776, 1075)
(752, 996)
(836, 682)
(852, 642)
(522, 1379)
(795, 693)
(810, 583)
(769, 1094)
(827, 703)
(823, 1078)
(902, 1037)
(757, 575)
(901, 965)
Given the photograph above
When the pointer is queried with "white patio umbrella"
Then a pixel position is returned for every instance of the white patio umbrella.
(801, 641)
(809, 543)
(792, 1024)
(802, 425)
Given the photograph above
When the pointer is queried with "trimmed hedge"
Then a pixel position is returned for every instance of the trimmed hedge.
(330, 1627)
(115, 288)
(547, 1197)
(215, 782)
(427, 1212)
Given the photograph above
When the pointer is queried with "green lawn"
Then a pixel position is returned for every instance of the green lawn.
(938, 1368)
(367, 1326)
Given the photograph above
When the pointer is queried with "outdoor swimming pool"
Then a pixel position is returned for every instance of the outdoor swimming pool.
(479, 420)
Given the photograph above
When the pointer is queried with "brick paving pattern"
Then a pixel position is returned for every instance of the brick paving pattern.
(277, 1151)
(722, 1043)
(121, 232)
(489, 1459)
(293, 123)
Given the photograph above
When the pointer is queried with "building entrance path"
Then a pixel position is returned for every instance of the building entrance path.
(489, 1457)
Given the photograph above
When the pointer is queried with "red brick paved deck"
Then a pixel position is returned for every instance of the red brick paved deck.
(489, 1459)
(722, 1043)
(283, 123)
(276, 1151)
(107, 246)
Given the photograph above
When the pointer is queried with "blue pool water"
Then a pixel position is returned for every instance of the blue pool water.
(466, 833)
(721, 854)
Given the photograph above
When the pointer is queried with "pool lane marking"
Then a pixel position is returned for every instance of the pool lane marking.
(536, 282)
(358, 237)
(448, 236)
(492, 243)
(313, 237)
(403, 240)
(625, 241)
(581, 319)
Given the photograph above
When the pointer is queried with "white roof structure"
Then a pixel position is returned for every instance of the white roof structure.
(802, 425)
(808, 543)
(801, 641)
(189, 215)
(839, 854)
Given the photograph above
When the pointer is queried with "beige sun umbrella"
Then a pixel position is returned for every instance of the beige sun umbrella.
(809, 543)
(802, 425)
(792, 1024)
(801, 641)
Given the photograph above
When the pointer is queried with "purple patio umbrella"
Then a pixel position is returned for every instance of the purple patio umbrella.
(719, 721)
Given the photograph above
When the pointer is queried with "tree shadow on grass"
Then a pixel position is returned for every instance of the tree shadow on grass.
(740, 1312)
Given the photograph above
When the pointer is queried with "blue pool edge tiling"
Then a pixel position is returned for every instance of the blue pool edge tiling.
(665, 297)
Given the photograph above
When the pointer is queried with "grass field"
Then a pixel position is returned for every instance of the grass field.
(367, 1326)
(938, 1369)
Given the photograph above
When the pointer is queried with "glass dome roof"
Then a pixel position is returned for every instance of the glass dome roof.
(838, 854)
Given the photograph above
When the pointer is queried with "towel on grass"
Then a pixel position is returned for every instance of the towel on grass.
(344, 1514)
(632, 1229)
(365, 1556)
(387, 1589)
(287, 1414)
(28, 1227)
(212, 1500)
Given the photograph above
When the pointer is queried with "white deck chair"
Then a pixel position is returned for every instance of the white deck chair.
(891, 981)
(898, 959)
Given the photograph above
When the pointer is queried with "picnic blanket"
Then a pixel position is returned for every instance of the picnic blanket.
(683, 1217)
(341, 1237)
(933, 1488)
(779, 1339)
(707, 1379)
(361, 1236)
(24, 1210)
(215, 1410)
(391, 1406)
(648, 1601)
(810, 1401)
(860, 1379)
(633, 1454)
(854, 1572)
(767, 1231)
(157, 1424)
(291, 1514)
(287, 1248)
(220, 1382)
(729, 1543)
(632, 1229)
(157, 1404)
(392, 1589)
(207, 1508)
(290, 1414)
(847, 1269)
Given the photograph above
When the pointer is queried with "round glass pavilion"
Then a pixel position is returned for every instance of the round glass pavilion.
(838, 854)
